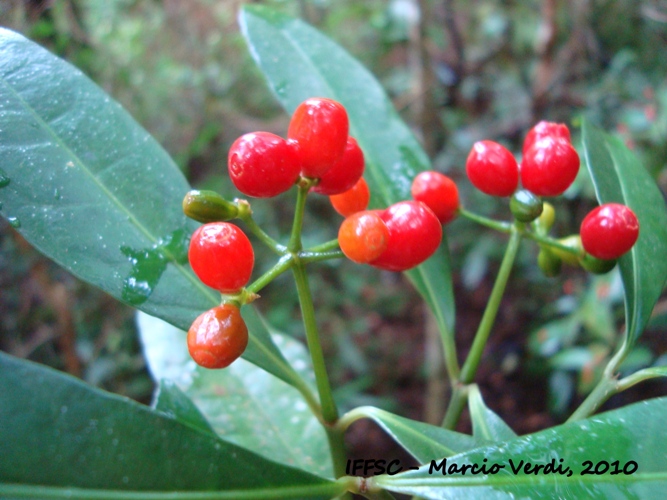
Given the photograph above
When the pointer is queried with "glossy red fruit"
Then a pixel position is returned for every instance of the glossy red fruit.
(363, 237)
(438, 192)
(221, 256)
(218, 337)
(319, 129)
(545, 129)
(609, 231)
(549, 167)
(414, 235)
(353, 200)
(262, 164)
(492, 169)
(345, 173)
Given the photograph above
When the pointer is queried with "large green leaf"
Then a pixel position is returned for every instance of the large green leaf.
(299, 62)
(91, 189)
(633, 435)
(244, 405)
(619, 177)
(58, 432)
(422, 441)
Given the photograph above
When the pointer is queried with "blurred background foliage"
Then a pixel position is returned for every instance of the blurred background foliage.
(458, 71)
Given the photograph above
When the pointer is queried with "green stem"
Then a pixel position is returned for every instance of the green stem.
(467, 375)
(325, 247)
(250, 223)
(503, 227)
(309, 256)
(329, 410)
(641, 376)
(294, 244)
(605, 388)
(279, 268)
(552, 243)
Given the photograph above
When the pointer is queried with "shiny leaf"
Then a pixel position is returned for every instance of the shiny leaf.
(619, 177)
(634, 436)
(244, 405)
(92, 190)
(58, 432)
(422, 441)
(299, 62)
(173, 402)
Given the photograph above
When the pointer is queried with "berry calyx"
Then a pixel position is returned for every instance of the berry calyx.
(218, 337)
(414, 235)
(221, 256)
(363, 237)
(597, 266)
(545, 129)
(549, 167)
(208, 206)
(353, 200)
(318, 132)
(438, 192)
(609, 231)
(344, 173)
(492, 169)
(262, 165)
(525, 206)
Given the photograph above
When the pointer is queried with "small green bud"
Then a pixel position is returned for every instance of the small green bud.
(595, 265)
(549, 263)
(208, 206)
(525, 206)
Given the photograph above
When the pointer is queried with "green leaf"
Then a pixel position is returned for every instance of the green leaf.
(173, 402)
(619, 177)
(422, 441)
(632, 435)
(90, 188)
(486, 425)
(58, 432)
(299, 62)
(244, 405)
(95, 192)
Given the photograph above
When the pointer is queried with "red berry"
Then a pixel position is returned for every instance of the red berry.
(414, 235)
(218, 337)
(549, 167)
(262, 164)
(344, 173)
(363, 237)
(319, 129)
(221, 256)
(492, 169)
(438, 192)
(609, 231)
(353, 200)
(545, 129)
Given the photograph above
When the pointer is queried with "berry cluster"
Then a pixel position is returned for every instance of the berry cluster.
(403, 235)
(548, 167)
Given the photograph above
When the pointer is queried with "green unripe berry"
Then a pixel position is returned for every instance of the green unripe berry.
(525, 206)
(549, 263)
(208, 206)
(574, 242)
(545, 221)
(595, 265)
